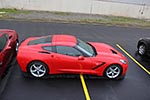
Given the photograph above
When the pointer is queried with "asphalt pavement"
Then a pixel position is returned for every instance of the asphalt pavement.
(135, 86)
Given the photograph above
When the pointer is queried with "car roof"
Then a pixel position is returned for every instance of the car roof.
(1, 33)
(55, 40)
(6, 31)
(67, 40)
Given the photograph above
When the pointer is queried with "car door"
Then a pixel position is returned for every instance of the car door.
(66, 59)
(70, 59)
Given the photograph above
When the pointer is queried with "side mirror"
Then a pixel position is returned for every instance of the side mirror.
(8, 48)
(80, 58)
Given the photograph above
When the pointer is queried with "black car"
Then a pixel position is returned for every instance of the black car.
(144, 46)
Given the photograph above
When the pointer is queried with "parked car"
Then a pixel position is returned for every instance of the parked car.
(8, 44)
(58, 54)
(143, 46)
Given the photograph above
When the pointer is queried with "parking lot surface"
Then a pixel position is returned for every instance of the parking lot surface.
(135, 86)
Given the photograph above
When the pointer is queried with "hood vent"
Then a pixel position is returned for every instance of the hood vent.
(113, 51)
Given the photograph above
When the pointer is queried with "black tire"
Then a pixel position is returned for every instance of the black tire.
(113, 71)
(142, 49)
(38, 69)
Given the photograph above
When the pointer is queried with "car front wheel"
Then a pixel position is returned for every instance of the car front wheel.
(38, 69)
(113, 71)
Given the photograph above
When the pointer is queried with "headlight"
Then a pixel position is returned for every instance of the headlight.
(123, 61)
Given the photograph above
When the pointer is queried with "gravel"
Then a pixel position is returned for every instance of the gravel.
(57, 16)
(64, 17)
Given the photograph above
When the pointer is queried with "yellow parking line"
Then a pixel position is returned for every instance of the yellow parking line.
(132, 58)
(84, 87)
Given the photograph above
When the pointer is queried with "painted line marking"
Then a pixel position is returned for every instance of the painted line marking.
(84, 87)
(140, 65)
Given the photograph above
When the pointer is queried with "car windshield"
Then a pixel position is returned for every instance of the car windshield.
(86, 48)
(3, 41)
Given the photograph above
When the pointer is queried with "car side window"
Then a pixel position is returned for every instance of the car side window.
(48, 48)
(3, 41)
(66, 50)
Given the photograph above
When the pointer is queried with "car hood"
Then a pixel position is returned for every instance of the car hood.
(104, 50)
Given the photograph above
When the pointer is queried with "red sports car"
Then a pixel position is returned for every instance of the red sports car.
(8, 44)
(58, 54)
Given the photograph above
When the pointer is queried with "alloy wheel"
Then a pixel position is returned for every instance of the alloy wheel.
(141, 49)
(113, 71)
(38, 69)
(17, 44)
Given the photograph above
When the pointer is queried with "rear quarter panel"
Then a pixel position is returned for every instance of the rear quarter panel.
(26, 56)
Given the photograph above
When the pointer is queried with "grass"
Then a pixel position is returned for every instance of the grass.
(125, 21)
(13, 11)
(130, 21)
(61, 13)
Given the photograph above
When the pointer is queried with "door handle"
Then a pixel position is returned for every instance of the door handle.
(52, 55)
(80, 58)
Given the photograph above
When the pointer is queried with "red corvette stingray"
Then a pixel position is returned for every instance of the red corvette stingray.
(8, 44)
(58, 54)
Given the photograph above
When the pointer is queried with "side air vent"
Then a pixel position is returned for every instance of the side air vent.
(44, 52)
(113, 51)
(98, 66)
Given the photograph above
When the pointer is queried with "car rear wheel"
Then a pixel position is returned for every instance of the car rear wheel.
(141, 49)
(113, 71)
(38, 69)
